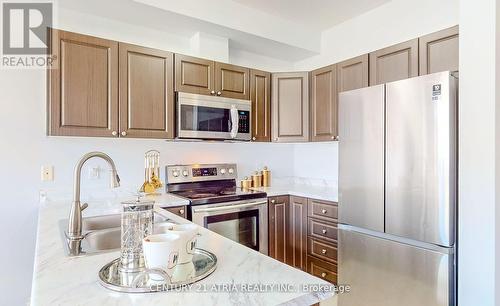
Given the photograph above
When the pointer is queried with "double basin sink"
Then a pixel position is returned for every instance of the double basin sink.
(101, 234)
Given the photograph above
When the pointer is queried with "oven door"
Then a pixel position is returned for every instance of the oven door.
(241, 221)
(207, 117)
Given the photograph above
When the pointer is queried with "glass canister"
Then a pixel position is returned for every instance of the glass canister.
(136, 223)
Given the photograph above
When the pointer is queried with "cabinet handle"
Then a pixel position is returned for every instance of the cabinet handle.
(323, 274)
(323, 251)
(124, 133)
(212, 92)
(273, 201)
(181, 211)
(219, 93)
(114, 133)
(324, 231)
(324, 211)
(253, 138)
(276, 139)
(336, 138)
(333, 137)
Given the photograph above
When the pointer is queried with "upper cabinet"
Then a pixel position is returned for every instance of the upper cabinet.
(394, 63)
(324, 104)
(232, 81)
(352, 73)
(194, 75)
(83, 86)
(260, 95)
(290, 107)
(439, 51)
(202, 76)
(146, 92)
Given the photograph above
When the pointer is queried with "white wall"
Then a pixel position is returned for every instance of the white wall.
(318, 162)
(478, 256)
(388, 24)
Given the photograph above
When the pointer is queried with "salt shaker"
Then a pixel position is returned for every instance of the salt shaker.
(136, 224)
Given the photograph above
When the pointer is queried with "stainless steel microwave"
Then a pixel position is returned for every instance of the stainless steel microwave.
(213, 117)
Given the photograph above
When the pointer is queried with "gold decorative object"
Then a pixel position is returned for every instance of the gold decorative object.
(152, 180)
(266, 177)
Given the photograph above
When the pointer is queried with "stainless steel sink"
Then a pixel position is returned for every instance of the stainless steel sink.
(101, 234)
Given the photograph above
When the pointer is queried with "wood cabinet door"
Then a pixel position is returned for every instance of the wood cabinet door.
(439, 51)
(324, 104)
(296, 255)
(83, 86)
(232, 81)
(394, 63)
(194, 75)
(290, 107)
(260, 95)
(146, 92)
(278, 224)
(352, 73)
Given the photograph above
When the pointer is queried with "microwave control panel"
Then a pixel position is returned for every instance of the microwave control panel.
(244, 122)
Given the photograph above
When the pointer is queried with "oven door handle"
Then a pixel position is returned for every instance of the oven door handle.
(220, 208)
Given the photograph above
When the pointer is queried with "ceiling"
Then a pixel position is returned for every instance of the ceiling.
(318, 14)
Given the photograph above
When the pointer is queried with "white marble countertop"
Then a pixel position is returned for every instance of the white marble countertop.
(60, 280)
(326, 193)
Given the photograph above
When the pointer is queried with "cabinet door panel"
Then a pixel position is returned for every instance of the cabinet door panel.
(83, 85)
(290, 107)
(394, 63)
(260, 95)
(352, 73)
(324, 104)
(278, 224)
(146, 92)
(232, 81)
(194, 75)
(297, 233)
(439, 51)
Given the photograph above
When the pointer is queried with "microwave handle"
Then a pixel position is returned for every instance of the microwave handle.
(235, 121)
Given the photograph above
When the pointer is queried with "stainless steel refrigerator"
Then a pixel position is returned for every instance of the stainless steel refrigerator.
(398, 192)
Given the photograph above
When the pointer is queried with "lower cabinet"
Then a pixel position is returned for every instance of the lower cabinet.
(322, 269)
(180, 211)
(288, 230)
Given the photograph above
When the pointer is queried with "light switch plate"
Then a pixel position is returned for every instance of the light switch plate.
(47, 174)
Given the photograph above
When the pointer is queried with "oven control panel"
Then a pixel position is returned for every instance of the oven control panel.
(200, 172)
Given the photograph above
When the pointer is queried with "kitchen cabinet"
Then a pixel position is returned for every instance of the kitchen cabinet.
(439, 51)
(290, 107)
(180, 211)
(82, 86)
(260, 95)
(206, 77)
(194, 75)
(322, 269)
(288, 230)
(352, 73)
(232, 81)
(146, 92)
(324, 104)
(394, 63)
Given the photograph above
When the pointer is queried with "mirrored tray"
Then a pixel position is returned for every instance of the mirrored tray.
(203, 264)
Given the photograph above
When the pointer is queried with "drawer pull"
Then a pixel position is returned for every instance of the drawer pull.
(181, 211)
(323, 274)
(323, 251)
(324, 231)
(324, 211)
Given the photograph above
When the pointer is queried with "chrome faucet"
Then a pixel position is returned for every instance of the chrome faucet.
(75, 215)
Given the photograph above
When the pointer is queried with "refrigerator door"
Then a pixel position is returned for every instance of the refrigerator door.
(421, 129)
(382, 272)
(361, 157)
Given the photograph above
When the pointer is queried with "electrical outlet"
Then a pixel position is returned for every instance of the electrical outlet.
(47, 174)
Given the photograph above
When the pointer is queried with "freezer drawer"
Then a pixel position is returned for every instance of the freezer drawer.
(361, 157)
(387, 273)
(421, 129)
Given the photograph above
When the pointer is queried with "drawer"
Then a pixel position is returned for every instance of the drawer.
(320, 249)
(322, 210)
(322, 230)
(322, 269)
(180, 211)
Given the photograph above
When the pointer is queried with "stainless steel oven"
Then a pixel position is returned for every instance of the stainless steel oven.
(242, 221)
(213, 117)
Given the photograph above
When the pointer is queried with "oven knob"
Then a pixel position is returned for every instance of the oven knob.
(222, 171)
(175, 173)
(230, 171)
(185, 173)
